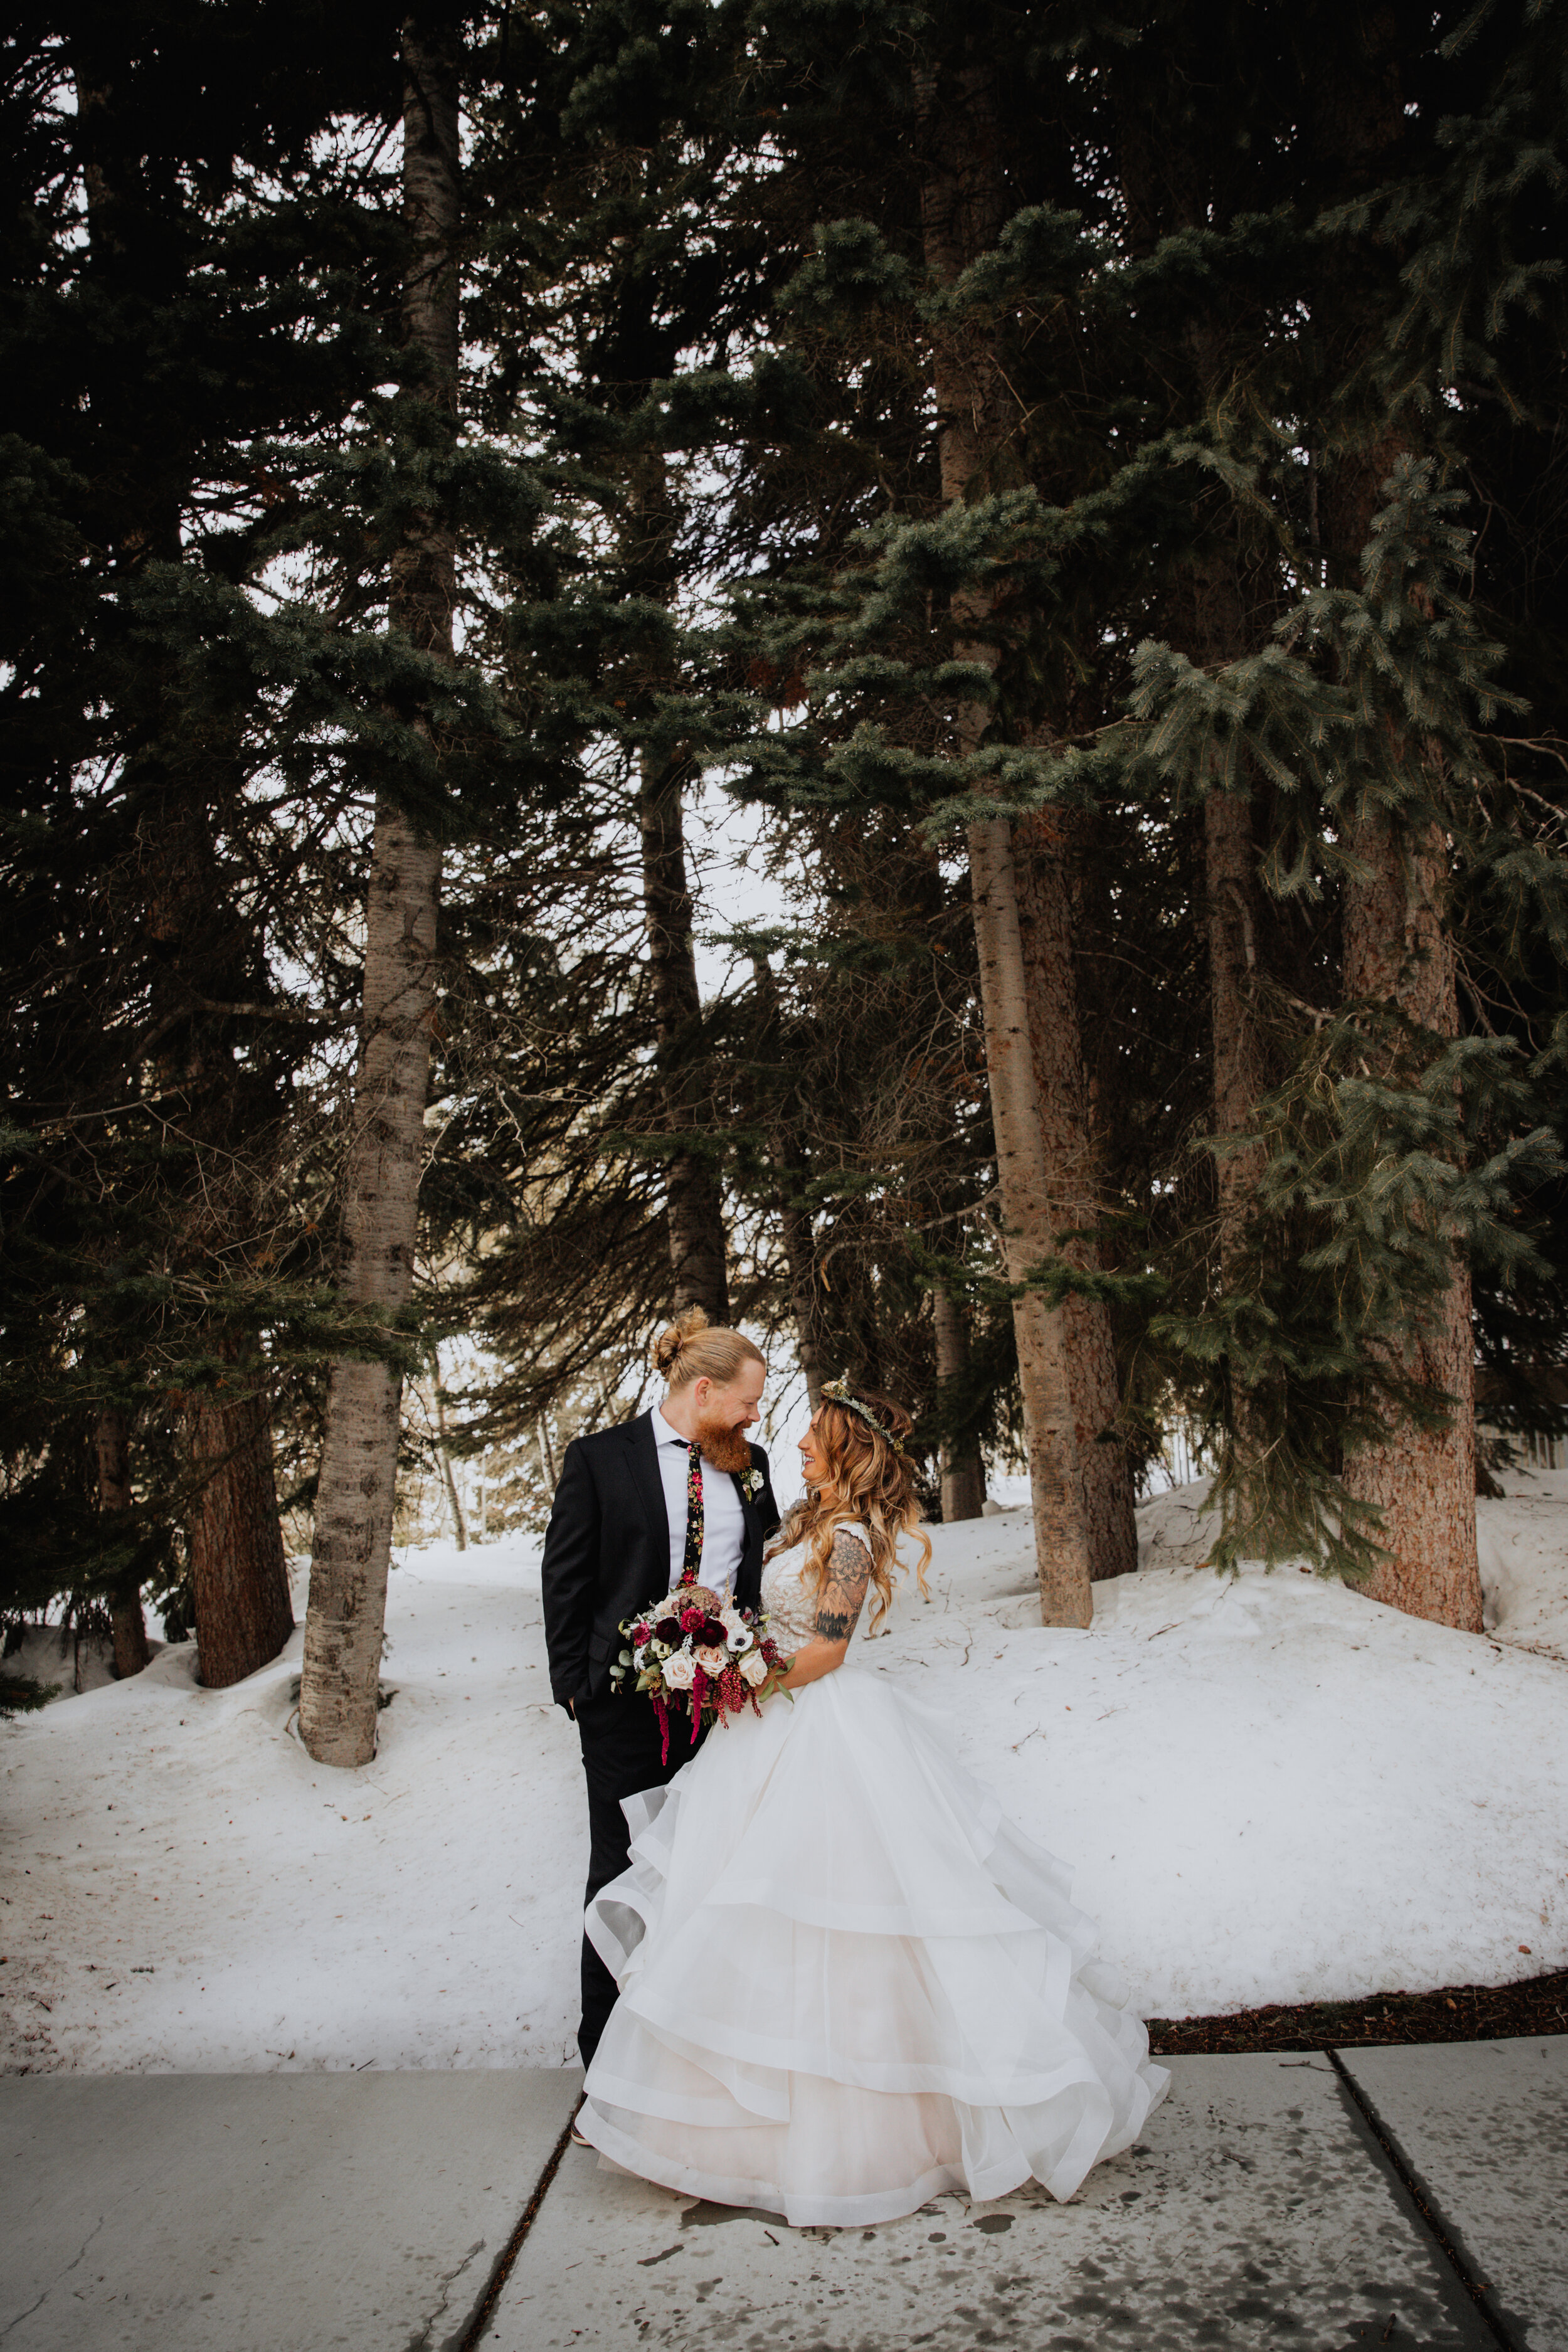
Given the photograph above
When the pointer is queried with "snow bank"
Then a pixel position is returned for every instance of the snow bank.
(53, 1656)
(182, 1887)
(1271, 1789)
(1521, 1541)
(1522, 1545)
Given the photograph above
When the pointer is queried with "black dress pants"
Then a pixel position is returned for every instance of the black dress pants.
(620, 1739)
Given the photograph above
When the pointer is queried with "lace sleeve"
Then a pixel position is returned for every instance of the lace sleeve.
(843, 1594)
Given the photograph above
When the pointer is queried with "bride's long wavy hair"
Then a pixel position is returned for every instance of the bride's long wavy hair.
(873, 1487)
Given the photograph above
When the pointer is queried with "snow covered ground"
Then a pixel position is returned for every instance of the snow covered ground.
(1272, 1790)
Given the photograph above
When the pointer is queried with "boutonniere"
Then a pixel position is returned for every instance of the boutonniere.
(748, 1483)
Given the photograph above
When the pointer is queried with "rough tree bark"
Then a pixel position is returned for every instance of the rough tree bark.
(346, 1617)
(962, 212)
(130, 1626)
(244, 1612)
(962, 1467)
(1062, 1559)
(1061, 1086)
(1397, 951)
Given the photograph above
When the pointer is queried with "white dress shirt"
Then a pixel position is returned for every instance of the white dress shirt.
(723, 1521)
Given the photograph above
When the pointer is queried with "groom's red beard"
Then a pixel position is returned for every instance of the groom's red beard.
(724, 1444)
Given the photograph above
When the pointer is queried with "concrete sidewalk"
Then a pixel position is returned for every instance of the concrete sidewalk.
(1256, 2210)
(263, 2212)
(1480, 2129)
(1274, 2198)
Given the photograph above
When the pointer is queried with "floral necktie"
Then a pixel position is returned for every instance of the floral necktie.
(691, 1559)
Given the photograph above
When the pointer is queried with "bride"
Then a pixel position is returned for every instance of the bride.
(847, 1983)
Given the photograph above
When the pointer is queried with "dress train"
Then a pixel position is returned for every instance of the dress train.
(847, 1982)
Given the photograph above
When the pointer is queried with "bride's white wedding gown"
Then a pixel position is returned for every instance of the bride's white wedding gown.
(847, 1983)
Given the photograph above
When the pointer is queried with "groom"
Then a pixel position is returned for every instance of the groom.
(635, 1507)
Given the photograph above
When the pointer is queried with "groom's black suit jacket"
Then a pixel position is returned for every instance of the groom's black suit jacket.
(606, 1551)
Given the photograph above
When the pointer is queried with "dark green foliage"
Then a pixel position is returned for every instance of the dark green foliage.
(23, 1695)
(1259, 315)
(1243, 261)
(212, 443)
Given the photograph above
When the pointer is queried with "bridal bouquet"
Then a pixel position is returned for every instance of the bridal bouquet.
(693, 1653)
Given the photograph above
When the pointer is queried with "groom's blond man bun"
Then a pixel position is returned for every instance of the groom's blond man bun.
(692, 1349)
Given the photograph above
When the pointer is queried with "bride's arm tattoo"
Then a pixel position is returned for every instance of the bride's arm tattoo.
(843, 1592)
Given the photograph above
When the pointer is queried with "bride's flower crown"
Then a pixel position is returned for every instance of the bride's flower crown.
(839, 1392)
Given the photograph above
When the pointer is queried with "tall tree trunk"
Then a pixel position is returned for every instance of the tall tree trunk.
(786, 1155)
(1231, 873)
(800, 1255)
(197, 950)
(244, 1613)
(1213, 630)
(1208, 618)
(114, 1446)
(1061, 1086)
(1397, 951)
(1213, 625)
(1396, 948)
(347, 1613)
(1234, 917)
(443, 1456)
(693, 1201)
(1050, 1425)
(963, 1469)
(962, 211)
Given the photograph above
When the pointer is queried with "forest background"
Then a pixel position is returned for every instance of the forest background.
(1089, 487)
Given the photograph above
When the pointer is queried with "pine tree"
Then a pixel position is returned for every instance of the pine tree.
(158, 320)
(1377, 1372)
(357, 1488)
(614, 156)
(945, 196)
(1019, 452)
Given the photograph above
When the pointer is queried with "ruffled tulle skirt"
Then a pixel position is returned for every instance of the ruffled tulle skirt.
(847, 1983)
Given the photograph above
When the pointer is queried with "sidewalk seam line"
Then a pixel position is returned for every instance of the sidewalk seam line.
(1423, 2203)
(513, 2246)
